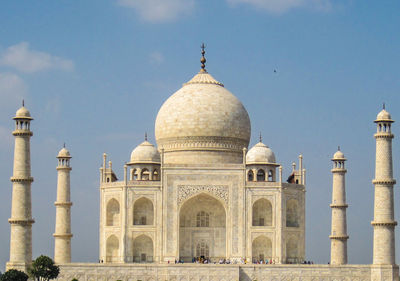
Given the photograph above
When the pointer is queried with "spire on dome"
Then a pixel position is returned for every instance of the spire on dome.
(383, 107)
(23, 102)
(260, 137)
(203, 59)
(145, 136)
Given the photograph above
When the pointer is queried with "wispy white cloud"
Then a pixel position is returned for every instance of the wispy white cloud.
(160, 10)
(24, 59)
(12, 89)
(281, 6)
(156, 58)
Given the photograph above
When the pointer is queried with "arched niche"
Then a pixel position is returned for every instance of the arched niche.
(260, 175)
(143, 249)
(112, 249)
(262, 213)
(112, 211)
(143, 212)
(261, 249)
(292, 250)
(250, 176)
(292, 213)
(202, 228)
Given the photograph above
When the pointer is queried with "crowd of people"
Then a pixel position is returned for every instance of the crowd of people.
(204, 260)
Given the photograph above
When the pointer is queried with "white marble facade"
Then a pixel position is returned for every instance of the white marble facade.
(200, 193)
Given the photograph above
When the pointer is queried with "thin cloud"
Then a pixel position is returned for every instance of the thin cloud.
(156, 58)
(281, 6)
(22, 58)
(156, 11)
(12, 89)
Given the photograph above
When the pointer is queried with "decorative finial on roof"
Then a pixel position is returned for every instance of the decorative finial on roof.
(260, 137)
(338, 148)
(383, 106)
(145, 136)
(203, 59)
(23, 102)
(64, 144)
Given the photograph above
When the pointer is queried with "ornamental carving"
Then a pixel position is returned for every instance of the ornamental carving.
(220, 191)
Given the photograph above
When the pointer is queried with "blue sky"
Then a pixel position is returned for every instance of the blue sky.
(95, 73)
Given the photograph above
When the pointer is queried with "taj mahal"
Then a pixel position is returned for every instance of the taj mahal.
(201, 195)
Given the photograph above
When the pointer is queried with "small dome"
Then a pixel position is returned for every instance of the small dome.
(145, 153)
(23, 113)
(383, 116)
(64, 153)
(338, 156)
(260, 153)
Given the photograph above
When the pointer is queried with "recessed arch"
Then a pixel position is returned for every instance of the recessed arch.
(292, 213)
(250, 176)
(202, 228)
(145, 174)
(112, 249)
(260, 175)
(112, 211)
(292, 251)
(261, 248)
(143, 249)
(143, 212)
(262, 212)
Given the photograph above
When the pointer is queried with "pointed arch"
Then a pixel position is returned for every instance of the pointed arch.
(202, 228)
(262, 212)
(250, 176)
(261, 248)
(292, 213)
(143, 249)
(143, 212)
(145, 174)
(112, 211)
(260, 175)
(112, 249)
(292, 250)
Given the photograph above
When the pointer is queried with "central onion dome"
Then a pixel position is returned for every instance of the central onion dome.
(202, 123)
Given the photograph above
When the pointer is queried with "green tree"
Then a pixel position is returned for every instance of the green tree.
(14, 275)
(43, 269)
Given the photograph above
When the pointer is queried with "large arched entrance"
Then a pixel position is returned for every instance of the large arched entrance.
(202, 229)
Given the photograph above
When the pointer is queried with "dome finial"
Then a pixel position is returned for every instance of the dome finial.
(338, 148)
(260, 137)
(203, 59)
(23, 102)
(145, 136)
(384, 106)
(64, 144)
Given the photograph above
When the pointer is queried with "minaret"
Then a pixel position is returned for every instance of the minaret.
(62, 235)
(384, 223)
(21, 207)
(339, 225)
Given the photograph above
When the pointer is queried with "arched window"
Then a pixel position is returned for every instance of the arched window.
(260, 175)
(292, 215)
(270, 175)
(135, 175)
(155, 175)
(112, 248)
(262, 213)
(203, 219)
(202, 250)
(250, 176)
(112, 213)
(143, 212)
(145, 175)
